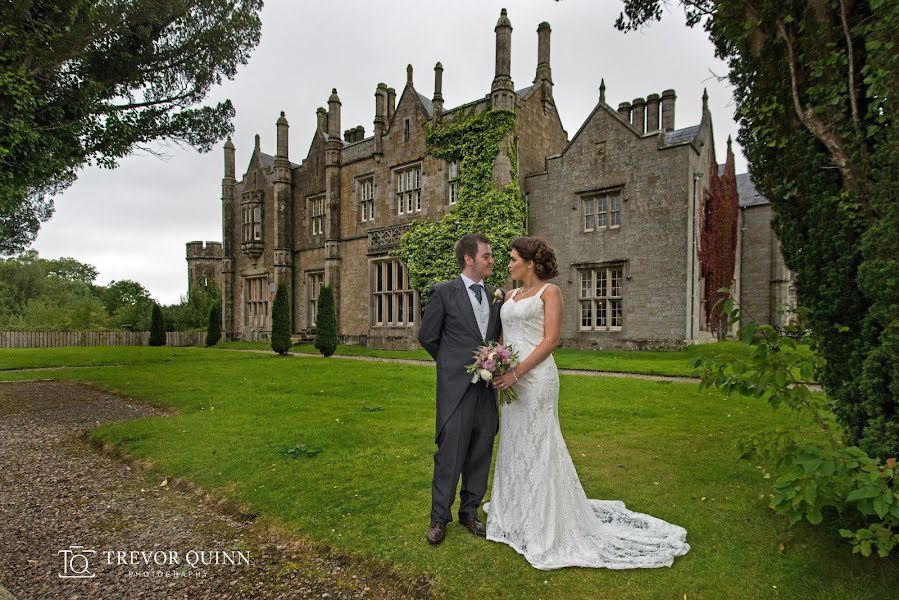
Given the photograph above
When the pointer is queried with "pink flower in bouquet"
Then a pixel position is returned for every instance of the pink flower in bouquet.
(489, 364)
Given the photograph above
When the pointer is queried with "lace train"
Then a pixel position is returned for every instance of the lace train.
(537, 504)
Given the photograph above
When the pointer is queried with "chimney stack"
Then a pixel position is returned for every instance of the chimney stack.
(437, 101)
(380, 116)
(652, 113)
(668, 98)
(391, 103)
(624, 109)
(321, 119)
(638, 107)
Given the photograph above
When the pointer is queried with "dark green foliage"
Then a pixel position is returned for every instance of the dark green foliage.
(214, 329)
(281, 321)
(474, 140)
(157, 327)
(192, 313)
(85, 82)
(815, 86)
(326, 322)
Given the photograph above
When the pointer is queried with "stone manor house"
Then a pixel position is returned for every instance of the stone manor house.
(619, 201)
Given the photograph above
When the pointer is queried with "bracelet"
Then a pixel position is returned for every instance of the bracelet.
(515, 376)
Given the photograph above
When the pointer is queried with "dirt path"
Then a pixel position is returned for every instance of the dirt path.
(57, 491)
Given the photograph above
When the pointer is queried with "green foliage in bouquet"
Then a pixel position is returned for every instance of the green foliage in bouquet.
(214, 330)
(474, 140)
(157, 327)
(281, 321)
(813, 474)
(326, 322)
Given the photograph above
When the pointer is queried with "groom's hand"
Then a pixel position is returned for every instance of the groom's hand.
(432, 323)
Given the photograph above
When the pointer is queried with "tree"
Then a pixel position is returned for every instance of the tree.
(214, 331)
(326, 322)
(815, 85)
(87, 82)
(281, 321)
(157, 327)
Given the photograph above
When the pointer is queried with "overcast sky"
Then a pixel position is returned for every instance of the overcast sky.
(133, 222)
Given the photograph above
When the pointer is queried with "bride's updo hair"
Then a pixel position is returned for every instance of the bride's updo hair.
(537, 250)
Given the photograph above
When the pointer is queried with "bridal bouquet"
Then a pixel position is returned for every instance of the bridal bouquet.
(493, 360)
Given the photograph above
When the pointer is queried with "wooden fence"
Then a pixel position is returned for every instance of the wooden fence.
(58, 339)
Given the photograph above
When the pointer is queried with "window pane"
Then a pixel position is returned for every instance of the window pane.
(586, 314)
(589, 205)
(616, 282)
(616, 313)
(399, 312)
(410, 302)
(585, 284)
(588, 222)
(389, 300)
(601, 314)
(380, 308)
(389, 267)
(601, 219)
(601, 283)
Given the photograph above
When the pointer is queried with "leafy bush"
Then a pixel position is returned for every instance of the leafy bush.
(812, 474)
(214, 330)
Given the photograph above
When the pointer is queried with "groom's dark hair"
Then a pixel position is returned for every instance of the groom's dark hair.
(468, 246)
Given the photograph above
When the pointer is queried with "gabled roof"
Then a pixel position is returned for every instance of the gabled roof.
(426, 103)
(749, 196)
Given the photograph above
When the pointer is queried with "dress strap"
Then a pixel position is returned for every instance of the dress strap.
(513, 293)
(540, 293)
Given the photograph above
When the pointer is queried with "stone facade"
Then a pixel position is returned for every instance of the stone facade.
(767, 287)
(334, 217)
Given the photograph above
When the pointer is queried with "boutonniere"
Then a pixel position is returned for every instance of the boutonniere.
(497, 295)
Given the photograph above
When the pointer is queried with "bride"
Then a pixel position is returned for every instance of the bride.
(537, 505)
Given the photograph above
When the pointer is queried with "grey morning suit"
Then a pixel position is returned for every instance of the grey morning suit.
(467, 419)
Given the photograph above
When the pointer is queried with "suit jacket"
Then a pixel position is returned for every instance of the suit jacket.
(450, 334)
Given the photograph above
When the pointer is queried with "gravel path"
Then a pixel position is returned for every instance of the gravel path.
(57, 491)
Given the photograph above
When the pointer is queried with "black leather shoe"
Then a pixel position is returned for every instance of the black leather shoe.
(473, 525)
(436, 532)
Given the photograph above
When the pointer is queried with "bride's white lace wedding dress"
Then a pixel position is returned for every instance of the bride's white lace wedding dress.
(537, 504)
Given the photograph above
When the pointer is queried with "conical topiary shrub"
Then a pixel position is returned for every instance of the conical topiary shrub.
(281, 321)
(157, 327)
(214, 329)
(326, 322)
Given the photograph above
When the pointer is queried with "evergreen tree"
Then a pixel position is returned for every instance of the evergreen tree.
(157, 327)
(281, 321)
(214, 331)
(326, 322)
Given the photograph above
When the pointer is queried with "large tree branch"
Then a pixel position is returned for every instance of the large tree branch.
(831, 139)
(853, 98)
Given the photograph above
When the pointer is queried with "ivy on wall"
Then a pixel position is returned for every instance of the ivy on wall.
(718, 239)
(474, 140)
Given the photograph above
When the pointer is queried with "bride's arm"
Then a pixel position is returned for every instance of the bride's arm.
(552, 325)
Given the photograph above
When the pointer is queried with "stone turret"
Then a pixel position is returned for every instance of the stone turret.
(391, 104)
(544, 72)
(380, 117)
(502, 92)
(321, 120)
(281, 127)
(334, 115)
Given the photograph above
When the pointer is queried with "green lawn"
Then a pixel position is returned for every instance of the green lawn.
(664, 448)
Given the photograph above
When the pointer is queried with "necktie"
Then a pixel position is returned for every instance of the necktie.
(476, 288)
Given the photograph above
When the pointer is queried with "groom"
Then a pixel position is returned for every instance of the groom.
(461, 315)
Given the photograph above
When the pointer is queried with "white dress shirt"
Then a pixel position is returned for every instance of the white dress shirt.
(481, 309)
